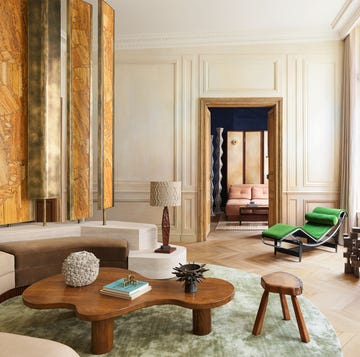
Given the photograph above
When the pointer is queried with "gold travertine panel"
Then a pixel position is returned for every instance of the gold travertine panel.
(245, 157)
(254, 157)
(79, 110)
(14, 204)
(106, 107)
(44, 118)
(235, 158)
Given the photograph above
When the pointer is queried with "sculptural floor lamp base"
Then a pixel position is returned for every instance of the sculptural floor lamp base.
(165, 228)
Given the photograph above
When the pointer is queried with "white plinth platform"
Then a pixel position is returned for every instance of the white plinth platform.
(156, 265)
(140, 236)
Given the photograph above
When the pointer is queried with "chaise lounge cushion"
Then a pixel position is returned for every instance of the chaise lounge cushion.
(37, 259)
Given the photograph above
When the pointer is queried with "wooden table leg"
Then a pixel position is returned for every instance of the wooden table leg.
(201, 322)
(102, 336)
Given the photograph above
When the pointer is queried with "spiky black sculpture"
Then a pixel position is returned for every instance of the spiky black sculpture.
(190, 274)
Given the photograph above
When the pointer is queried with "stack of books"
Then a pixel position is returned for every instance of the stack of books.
(123, 289)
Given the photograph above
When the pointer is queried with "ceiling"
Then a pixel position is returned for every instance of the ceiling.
(227, 21)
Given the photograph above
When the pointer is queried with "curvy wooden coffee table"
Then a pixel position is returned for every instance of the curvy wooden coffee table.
(90, 305)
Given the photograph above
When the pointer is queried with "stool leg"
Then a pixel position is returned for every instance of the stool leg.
(284, 307)
(304, 334)
(260, 314)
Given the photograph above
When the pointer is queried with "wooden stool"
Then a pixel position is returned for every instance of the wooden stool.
(283, 284)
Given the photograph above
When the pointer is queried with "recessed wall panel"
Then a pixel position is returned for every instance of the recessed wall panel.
(240, 74)
(319, 139)
(147, 107)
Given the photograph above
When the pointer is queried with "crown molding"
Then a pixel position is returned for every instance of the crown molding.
(347, 18)
(172, 40)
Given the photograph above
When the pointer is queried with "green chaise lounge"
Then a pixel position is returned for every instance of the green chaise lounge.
(321, 228)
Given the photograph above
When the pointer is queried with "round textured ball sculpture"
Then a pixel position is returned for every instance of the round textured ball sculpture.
(80, 269)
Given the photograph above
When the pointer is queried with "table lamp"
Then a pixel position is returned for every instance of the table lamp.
(165, 194)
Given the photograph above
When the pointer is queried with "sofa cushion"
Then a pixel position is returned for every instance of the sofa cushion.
(259, 202)
(240, 191)
(259, 192)
(19, 346)
(232, 206)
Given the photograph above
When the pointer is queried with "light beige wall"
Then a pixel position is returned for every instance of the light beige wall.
(156, 122)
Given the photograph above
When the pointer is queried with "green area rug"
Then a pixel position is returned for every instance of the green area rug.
(166, 330)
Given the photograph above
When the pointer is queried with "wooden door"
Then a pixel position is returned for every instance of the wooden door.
(272, 165)
(208, 169)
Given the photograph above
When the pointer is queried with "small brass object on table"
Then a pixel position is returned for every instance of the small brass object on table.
(130, 280)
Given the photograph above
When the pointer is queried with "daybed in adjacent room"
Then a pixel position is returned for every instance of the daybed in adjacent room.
(242, 194)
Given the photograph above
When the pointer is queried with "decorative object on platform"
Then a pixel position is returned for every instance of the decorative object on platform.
(44, 104)
(106, 108)
(165, 194)
(80, 268)
(218, 167)
(212, 177)
(190, 274)
(79, 100)
(352, 254)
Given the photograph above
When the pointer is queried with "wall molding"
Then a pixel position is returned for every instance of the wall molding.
(347, 18)
(181, 39)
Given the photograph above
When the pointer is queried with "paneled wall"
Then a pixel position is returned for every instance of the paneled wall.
(156, 121)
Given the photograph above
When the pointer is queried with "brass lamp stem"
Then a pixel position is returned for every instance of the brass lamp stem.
(104, 217)
(44, 212)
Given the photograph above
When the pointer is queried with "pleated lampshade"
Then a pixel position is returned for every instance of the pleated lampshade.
(165, 193)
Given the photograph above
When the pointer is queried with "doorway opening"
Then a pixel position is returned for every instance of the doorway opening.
(274, 108)
(240, 159)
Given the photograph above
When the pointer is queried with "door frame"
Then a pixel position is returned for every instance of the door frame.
(203, 142)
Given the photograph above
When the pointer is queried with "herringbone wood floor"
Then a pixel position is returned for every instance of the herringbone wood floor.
(322, 271)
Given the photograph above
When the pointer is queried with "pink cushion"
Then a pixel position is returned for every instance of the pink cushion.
(261, 192)
(240, 191)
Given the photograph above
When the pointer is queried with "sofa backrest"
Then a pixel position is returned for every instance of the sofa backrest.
(249, 191)
(240, 191)
(260, 191)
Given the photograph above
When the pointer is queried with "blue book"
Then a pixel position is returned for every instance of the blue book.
(123, 287)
